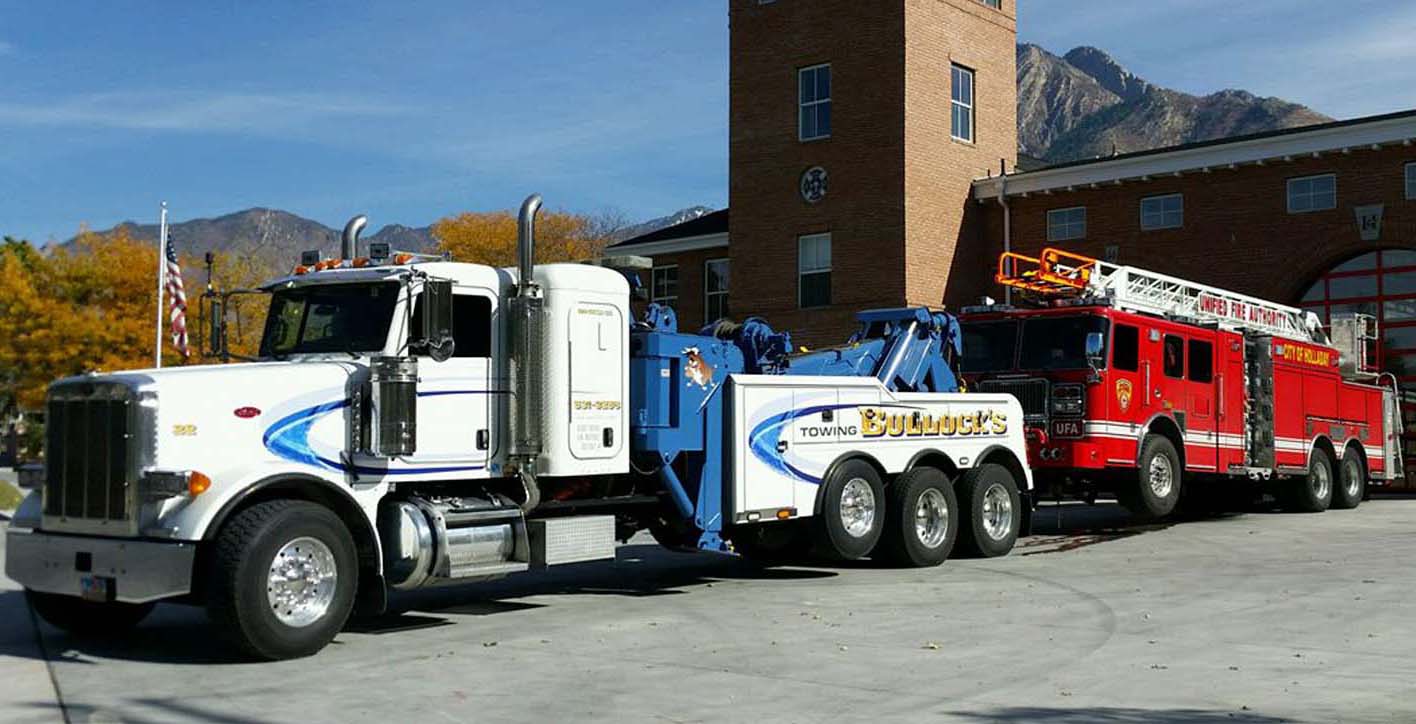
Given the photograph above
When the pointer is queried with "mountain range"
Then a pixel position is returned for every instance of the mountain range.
(1083, 104)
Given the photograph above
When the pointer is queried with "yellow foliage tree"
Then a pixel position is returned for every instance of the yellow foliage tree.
(90, 306)
(245, 313)
(490, 237)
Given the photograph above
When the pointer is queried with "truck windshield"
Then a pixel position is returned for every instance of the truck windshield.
(989, 346)
(329, 318)
(1058, 343)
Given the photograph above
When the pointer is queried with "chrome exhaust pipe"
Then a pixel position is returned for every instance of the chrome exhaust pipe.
(349, 247)
(526, 242)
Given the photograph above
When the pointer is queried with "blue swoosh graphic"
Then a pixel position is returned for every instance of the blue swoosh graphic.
(764, 438)
(289, 438)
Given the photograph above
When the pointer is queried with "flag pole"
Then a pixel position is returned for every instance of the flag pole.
(161, 278)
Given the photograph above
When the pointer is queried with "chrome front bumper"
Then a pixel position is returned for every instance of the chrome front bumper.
(137, 571)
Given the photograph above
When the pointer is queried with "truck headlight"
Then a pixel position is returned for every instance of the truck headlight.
(158, 484)
(1068, 400)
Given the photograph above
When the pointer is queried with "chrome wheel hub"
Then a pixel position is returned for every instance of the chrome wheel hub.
(932, 519)
(857, 507)
(1354, 478)
(300, 584)
(1160, 476)
(1321, 480)
(997, 512)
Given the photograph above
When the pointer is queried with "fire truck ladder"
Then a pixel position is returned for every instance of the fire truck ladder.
(1061, 273)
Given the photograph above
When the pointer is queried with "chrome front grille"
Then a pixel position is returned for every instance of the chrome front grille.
(91, 458)
(1032, 394)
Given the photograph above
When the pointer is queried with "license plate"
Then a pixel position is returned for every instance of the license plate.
(93, 588)
(1066, 428)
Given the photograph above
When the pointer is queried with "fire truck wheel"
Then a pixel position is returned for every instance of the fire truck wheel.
(1312, 493)
(921, 521)
(1157, 488)
(282, 579)
(1351, 481)
(992, 511)
(87, 618)
(850, 511)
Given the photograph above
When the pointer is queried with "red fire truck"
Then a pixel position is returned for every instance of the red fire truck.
(1153, 387)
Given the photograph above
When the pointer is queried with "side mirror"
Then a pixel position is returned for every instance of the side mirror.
(436, 334)
(1095, 342)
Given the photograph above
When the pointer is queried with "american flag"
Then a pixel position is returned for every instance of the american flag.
(178, 299)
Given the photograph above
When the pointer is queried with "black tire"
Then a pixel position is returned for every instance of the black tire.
(1351, 481)
(87, 618)
(1311, 493)
(920, 492)
(1156, 491)
(244, 552)
(830, 534)
(992, 511)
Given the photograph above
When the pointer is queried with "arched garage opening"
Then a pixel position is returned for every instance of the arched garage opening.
(1383, 284)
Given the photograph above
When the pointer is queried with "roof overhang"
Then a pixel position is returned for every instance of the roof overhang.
(671, 246)
(1205, 158)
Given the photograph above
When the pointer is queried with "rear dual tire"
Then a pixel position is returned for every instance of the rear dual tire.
(993, 511)
(1312, 493)
(922, 520)
(1351, 481)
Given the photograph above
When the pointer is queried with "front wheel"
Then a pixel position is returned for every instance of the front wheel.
(850, 511)
(1156, 491)
(993, 511)
(87, 618)
(283, 579)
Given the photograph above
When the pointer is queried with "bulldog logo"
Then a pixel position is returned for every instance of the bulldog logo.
(1123, 394)
(695, 370)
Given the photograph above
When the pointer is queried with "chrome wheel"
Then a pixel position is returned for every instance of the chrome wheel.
(1160, 476)
(301, 582)
(997, 512)
(1321, 481)
(932, 518)
(857, 507)
(1354, 478)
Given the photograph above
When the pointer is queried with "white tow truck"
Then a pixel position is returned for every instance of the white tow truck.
(414, 421)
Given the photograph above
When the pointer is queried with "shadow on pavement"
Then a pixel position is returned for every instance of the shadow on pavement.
(1115, 715)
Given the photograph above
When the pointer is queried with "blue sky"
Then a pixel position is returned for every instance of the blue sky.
(411, 111)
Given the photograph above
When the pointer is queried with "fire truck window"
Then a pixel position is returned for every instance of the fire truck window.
(1174, 365)
(1126, 354)
(1201, 361)
(989, 346)
(1058, 343)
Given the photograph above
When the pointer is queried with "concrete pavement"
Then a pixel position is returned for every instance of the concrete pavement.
(1253, 618)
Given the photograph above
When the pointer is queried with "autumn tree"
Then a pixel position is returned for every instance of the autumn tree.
(490, 237)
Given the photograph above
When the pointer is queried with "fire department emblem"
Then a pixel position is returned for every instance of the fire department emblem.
(696, 371)
(1123, 394)
(813, 184)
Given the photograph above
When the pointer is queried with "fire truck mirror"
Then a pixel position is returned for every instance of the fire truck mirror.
(1094, 344)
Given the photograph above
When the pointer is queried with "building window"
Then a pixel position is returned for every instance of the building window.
(1064, 224)
(1411, 180)
(715, 290)
(995, 4)
(961, 97)
(814, 86)
(663, 288)
(814, 270)
(1312, 193)
(1163, 212)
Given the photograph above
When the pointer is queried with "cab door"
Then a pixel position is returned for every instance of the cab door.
(455, 398)
(1201, 443)
(1229, 399)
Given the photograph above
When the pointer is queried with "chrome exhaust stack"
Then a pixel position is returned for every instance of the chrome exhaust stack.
(349, 245)
(527, 331)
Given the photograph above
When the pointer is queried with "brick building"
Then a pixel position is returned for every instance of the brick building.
(865, 148)
(856, 130)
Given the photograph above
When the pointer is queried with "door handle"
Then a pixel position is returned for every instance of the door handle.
(482, 439)
(781, 446)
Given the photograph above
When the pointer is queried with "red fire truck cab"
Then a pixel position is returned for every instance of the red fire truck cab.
(1152, 387)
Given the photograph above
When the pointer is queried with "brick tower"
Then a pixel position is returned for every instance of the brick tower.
(856, 129)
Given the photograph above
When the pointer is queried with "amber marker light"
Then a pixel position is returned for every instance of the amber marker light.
(197, 483)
